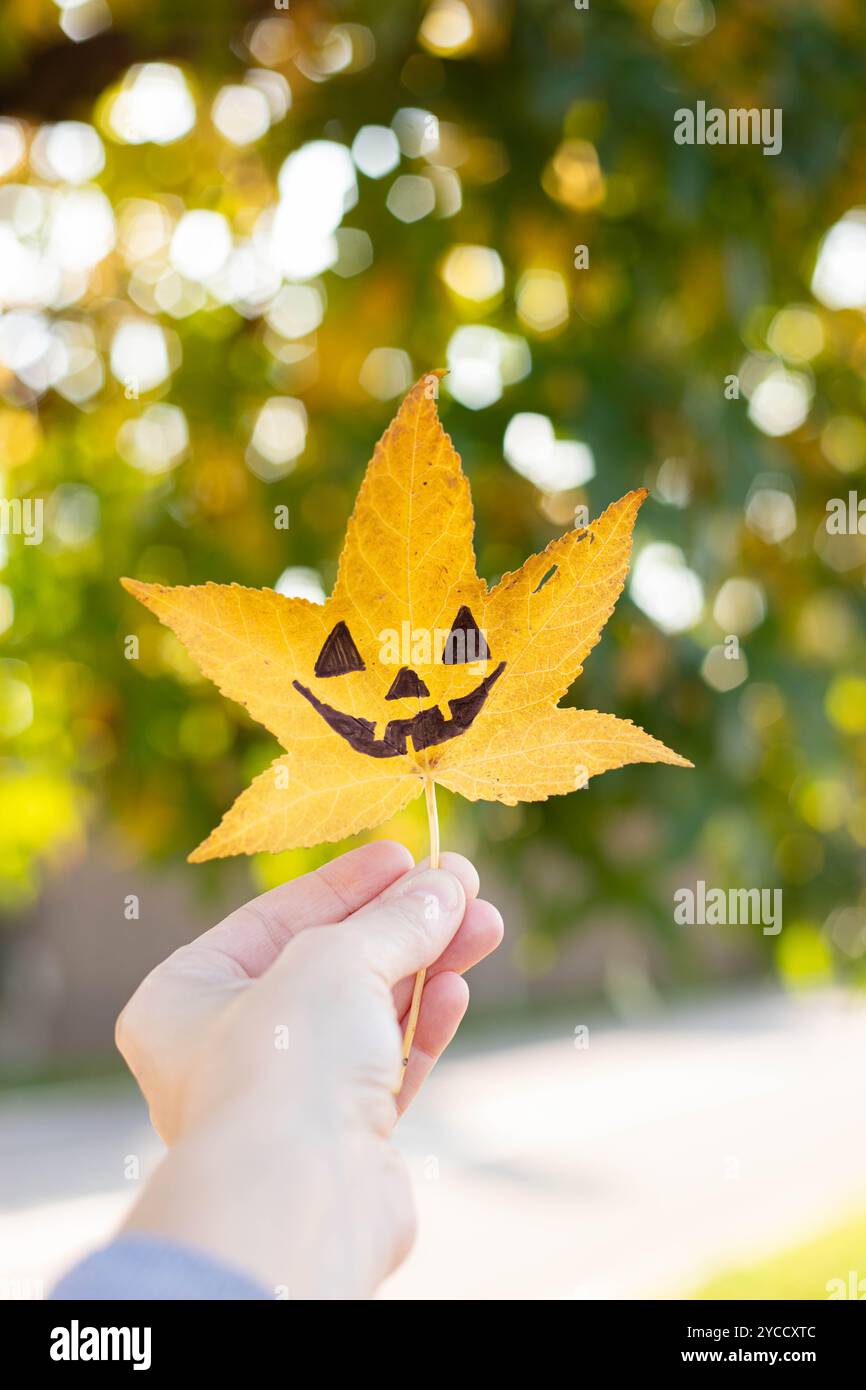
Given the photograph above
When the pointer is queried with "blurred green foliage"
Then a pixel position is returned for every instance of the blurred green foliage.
(555, 130)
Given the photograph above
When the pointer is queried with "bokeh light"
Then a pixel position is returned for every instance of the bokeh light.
(542, 301)
(376, 151)
(839, 278)
(70, 152)
(279, 437)
(386, 373)
(241, 113)
(139, 355)
(447, 28)
(473, 272)
(201, 244)
(553, 465)
(411, 197)
(154, 104)
(665, 588)
(156, 440)
(780, 401)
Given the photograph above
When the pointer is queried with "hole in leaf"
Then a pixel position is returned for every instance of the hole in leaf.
(544, 578)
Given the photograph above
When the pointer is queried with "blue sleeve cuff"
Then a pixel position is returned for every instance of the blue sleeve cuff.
(145, 1267)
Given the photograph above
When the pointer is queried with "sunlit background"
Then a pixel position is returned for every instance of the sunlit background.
(231, 236)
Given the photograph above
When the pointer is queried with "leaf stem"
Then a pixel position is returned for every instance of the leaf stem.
(415, 1006)
(432, 821)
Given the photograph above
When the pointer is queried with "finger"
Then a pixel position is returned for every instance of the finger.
(455, 864)
(410, 924)
(443, 1005)
(254, 935)
(478, 935)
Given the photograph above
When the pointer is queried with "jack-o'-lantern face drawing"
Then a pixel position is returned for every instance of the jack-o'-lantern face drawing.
(465, 644)
(412, 671)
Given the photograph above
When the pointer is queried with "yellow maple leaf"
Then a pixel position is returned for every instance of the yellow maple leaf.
(412, 672)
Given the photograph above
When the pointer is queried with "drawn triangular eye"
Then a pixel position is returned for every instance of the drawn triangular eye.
(465, 641)
(339, 654)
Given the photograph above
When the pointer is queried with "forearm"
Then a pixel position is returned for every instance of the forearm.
(281, 1211)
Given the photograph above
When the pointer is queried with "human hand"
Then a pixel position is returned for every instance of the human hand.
(282, 1162)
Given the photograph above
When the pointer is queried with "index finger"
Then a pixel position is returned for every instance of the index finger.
(254, 935)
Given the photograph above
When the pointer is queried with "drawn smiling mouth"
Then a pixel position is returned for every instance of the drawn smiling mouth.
(426, 728)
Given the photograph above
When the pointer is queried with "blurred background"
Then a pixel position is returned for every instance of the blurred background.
(231, 236)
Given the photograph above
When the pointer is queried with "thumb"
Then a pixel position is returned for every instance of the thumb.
(410, 925)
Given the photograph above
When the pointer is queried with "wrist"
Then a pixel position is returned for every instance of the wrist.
(278, 1207)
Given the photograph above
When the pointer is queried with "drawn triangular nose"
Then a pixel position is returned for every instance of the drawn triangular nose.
(406, 682)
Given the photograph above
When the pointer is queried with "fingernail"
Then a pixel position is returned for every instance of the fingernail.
(436, 890)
